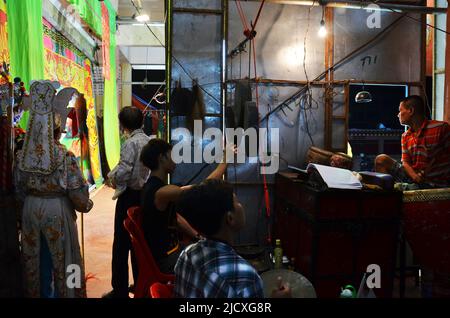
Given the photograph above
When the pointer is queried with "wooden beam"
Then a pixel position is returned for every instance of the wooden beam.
(329, 77)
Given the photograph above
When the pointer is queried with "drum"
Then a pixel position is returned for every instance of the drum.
(301, 287)
(341, 160)
(426, 216)
(319, 156)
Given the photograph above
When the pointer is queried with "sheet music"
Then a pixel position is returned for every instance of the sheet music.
(336, 177)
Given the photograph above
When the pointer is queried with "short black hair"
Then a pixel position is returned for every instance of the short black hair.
(131, 118)
(416, 102)
(151, 151)
(205, 205)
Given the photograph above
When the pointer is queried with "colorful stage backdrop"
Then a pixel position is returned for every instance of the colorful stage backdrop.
(4, 52)
(67, 65)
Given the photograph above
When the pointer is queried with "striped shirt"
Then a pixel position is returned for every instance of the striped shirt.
(212, 269)
(130, 171)
(428, 149)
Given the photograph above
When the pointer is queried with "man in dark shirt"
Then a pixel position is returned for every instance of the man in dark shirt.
(160, 221)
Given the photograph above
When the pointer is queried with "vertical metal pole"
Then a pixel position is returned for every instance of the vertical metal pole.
(224, 65)
(169, 20)
(169, 15)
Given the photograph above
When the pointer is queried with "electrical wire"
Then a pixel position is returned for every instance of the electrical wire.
(426, 98)
(154, 97)
(307, 97)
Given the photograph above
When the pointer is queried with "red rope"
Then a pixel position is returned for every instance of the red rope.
(256, 78)
(241, 14)
(257, 16)
(251, 35)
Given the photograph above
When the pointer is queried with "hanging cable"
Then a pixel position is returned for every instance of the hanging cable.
(241, 14)
(257, 15)
(249, 34)
(265, 187)
(307, 99)
(256, 78)
(154, 97)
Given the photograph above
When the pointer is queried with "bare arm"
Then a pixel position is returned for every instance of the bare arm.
(219, 171)
(167, 194)
(185, 227)
(417, 177)
(222, 167)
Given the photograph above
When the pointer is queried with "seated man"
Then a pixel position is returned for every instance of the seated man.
(160, 221)
(425, 148)
(211, 268)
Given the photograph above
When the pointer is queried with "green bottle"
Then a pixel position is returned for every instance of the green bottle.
(348, 292)
(278, 254)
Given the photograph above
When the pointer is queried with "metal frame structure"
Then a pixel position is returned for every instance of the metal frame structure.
(202, 9)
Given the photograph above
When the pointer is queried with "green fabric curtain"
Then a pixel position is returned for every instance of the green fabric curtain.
(90, 11)
(25, 38)
(110, 112)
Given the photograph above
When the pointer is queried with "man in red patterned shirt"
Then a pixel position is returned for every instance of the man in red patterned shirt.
(425, 148)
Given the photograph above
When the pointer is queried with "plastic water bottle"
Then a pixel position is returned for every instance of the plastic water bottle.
(278, 254)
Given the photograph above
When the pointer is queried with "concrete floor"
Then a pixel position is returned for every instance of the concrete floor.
(98, 239)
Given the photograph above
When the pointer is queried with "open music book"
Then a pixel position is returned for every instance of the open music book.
(336, 177)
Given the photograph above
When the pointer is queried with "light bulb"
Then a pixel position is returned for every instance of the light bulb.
(322, 30)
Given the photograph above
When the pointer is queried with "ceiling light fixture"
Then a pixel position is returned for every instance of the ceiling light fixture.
(322, 30)
(363, 96)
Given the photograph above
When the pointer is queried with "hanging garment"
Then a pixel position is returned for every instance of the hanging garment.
(242, 94)
(198, 111)
(182, 101)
